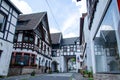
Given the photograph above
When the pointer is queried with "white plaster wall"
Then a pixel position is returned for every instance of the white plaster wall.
(6, 12)
(37, 61)
(78, 62)
(63, 62)
(25, 51)
(5, 34)
(5, 5)
(5, 57)
(1, 34)
(13, 20)
(36, 37)
(87, 40)
(58, 60)
(5, 46)
(9, 17)
(12, 29)
(10, 37)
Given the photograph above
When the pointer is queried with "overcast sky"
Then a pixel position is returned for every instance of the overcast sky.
(66, 13)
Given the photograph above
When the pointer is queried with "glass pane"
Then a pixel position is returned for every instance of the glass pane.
(31, 39)
(106, 44)
(18, 59)
(25, 39)
(26, 59)
(2, 21)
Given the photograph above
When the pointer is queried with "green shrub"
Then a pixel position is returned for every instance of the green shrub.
(90, 74)
(50, 71)
(33, 73)
(90, 79)
(57, 71)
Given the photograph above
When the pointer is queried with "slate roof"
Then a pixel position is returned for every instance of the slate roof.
(29, 21)
(68, 41)
(55, 37)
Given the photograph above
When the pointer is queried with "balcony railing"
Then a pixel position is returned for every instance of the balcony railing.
(30, 46)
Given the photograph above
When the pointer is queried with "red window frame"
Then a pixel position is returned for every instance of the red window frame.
(118, 1)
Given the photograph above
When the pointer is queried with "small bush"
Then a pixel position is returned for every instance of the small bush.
(50, 71)
(90, 79)
(57, 71)
(1, 76)
(33, 73)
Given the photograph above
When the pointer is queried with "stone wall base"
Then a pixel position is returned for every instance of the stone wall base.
(106, 76)
(19, 71)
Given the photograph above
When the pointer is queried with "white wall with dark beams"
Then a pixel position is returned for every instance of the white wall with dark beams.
(9, 16)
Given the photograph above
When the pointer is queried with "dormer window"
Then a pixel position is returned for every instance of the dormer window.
(22, 22)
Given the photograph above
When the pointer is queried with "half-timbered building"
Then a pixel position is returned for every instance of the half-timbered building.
(63, 49)
(32, 44)
(8, 18)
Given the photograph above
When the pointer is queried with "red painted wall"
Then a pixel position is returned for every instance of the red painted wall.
(118, 4)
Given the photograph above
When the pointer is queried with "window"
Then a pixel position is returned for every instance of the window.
(45, 48)
(65, 49)
(106, 40)
(18, 58)
(38, 42)
(2, 22)
(28, 38)
(26, 59)
(32, 59)
(71, 48)
(15, 37)
(22, 22)
(54, 53)
(48, 50)
(41, 45)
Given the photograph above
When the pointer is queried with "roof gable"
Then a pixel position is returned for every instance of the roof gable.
(56, 38)
(69, 41)
(29, 21)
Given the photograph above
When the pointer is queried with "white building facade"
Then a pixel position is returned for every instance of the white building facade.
(8, 18)
(101, 25)
(32, 45)
(63, 49)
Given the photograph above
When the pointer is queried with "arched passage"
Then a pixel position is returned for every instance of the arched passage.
(113, 66)
(71, 64)
(54, 66)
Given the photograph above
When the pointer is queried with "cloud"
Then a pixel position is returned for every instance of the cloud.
(54, 30)
(70, 35)
(81, 6)
(23, 6)
(77, 3)
(70, 22)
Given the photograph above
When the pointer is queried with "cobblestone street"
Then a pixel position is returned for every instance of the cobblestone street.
(55, 76)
